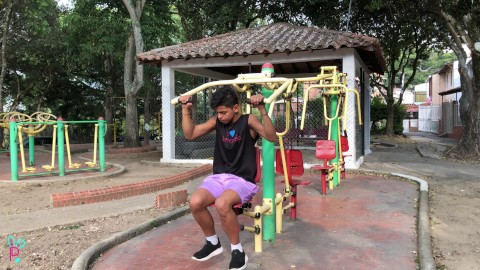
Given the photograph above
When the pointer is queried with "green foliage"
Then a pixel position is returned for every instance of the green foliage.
(431, 65)
(314, 116)
(378, 115)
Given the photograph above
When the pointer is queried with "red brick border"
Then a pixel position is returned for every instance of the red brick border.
(171, 199)
(123, 191)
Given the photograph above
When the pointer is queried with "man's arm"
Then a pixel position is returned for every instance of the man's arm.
(192, 131)
(266, 130)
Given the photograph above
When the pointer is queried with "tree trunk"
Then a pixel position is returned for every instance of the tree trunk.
(109, 94)
(133, 73)
(146, 118)
(3, 73)
(390, 122)
(131, 122)
(469, 146)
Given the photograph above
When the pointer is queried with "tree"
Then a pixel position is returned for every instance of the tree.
(97, 59)
(404, 44)
(458, 26)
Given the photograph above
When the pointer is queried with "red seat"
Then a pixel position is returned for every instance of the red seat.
(294, 164)
(344, 144)
(326, 151)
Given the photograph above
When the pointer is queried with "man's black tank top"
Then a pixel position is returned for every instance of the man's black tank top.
(235, 149)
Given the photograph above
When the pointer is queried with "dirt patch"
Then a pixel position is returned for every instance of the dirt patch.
(58, 247)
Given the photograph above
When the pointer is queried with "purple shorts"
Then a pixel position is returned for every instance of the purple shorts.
(216, 184)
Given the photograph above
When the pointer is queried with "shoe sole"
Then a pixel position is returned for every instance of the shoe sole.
(242, 267)
(216, 252)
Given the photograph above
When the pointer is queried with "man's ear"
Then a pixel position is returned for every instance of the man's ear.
(235, 108)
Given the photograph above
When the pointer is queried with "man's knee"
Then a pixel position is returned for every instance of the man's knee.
(223, 206)
(196, 203)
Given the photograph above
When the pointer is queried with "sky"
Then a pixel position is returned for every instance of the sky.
(67, 3)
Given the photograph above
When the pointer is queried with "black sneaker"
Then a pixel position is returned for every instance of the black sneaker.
(239, 260)
(208, 251)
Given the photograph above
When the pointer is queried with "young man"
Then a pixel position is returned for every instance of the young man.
(234, 168)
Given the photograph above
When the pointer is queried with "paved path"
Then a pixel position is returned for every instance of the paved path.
(365, 223)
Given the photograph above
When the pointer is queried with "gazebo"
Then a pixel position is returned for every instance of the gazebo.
(295, 51)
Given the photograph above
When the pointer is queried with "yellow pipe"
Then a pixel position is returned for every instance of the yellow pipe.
(68, 147)
(54, 143)
(95, 136)
(22, 154)
(278, 212)
(249, 108)
(231, 82)
(258, 224)
(249, 229)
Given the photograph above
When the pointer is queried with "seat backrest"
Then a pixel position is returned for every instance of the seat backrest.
(294, 163)
(325, 149)
(258, 155)
(344, 143)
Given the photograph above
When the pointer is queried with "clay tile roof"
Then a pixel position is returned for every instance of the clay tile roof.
(279, 37)
(411, 107)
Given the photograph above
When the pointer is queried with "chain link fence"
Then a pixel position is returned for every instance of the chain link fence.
(315, 126)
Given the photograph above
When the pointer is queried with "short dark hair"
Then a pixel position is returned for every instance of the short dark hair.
(224, 96)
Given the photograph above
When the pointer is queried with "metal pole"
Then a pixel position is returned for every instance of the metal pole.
(13, 150)
(268, 170)
(101, 143)
(61, 146)
(31, 150)
(334, 128)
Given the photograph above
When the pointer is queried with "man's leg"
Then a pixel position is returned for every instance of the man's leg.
(230, 225)
(229, 220)
(199, 202)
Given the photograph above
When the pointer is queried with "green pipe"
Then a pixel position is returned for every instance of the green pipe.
(13, 150)
(101, 143)
(31, 150)
(83, 122)
(268, 171)
(54, 122)
(334, 135)
(61, 146)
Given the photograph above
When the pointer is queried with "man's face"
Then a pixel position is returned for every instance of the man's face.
(226, 114)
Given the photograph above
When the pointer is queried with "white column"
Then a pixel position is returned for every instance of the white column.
(168, 114)
(349, 67)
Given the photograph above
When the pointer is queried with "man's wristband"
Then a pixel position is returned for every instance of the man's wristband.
(264, 114)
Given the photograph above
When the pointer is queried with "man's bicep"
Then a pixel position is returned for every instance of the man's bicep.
(204, 128)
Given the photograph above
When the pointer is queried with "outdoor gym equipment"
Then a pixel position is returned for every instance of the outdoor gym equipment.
(67, 140)
(59, 141)
(51, 167)
(93, 163)
(271, 208)
(334, 91)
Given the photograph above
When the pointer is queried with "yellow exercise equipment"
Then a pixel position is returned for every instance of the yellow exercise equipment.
(51, 167)
(67, 140)
(22, 152)
(94, 162)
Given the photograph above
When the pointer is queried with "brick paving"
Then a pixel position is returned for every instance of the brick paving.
(367, 222)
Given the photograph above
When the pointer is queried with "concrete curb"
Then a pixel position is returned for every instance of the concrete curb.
(89, 255)
(425, 254)
(55, 179)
